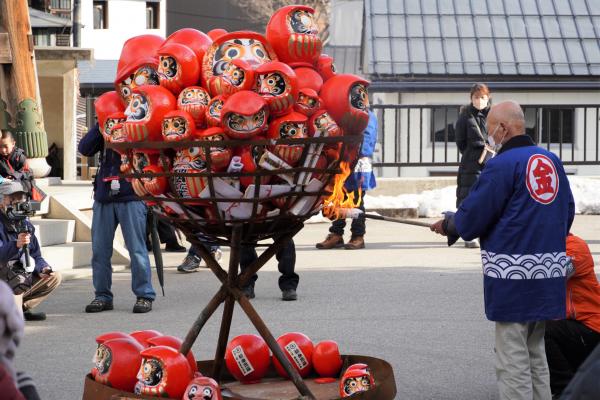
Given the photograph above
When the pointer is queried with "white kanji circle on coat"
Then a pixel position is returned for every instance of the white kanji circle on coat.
(542, 179)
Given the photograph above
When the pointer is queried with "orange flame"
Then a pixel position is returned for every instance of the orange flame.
(337, 204)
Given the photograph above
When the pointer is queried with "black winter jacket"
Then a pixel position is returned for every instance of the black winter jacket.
(470, 142)
(92, 143)
(14, 166)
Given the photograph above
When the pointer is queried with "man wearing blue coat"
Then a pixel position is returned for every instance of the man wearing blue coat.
(115, 203)
(521, 209)
(364, 179)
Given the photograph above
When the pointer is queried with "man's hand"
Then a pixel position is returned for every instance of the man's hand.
(46, 272)
(23, 239)
(438, 227)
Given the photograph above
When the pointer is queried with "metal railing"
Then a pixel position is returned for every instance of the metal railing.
(423, 135)
(60, 4)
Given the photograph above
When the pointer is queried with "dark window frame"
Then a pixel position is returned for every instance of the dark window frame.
(551, 119)
(103, 23)
(152, 21)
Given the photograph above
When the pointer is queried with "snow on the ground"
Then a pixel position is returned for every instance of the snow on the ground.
(586, 192)
(431, 203)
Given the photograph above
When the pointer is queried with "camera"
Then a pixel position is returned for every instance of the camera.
(18, 214)
(26, 208)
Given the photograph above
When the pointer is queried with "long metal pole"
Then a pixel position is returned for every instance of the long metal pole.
(398, 220)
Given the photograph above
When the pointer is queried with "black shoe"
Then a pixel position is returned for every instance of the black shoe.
(98, 305)
(289, 295)
(190, 263)
(249, 292)
(142, 305)
(34, 316)
(175, 248)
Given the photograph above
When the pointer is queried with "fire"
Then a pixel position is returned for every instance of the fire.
(340, 201)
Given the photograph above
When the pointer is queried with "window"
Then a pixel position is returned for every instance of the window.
(42, 37)
(100, 15)
(152, 15)
(60, 4)
(443, 118)
(556, 124)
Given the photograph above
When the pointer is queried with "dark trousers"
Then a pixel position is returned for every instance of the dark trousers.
(166, 233)
(358, 224)
(286, 259)
(568, 343)
(206, 242)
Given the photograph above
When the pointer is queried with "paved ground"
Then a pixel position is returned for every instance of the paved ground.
(406, 298)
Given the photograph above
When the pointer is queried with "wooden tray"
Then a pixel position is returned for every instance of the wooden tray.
(272, 387)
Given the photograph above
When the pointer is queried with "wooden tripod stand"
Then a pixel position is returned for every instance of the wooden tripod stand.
(229, 293)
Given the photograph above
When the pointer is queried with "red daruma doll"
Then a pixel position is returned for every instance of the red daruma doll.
(247, 358)
(298, 349)
(357, 378)
(293, 33)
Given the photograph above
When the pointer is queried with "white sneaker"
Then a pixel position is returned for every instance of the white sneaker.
(217, 254)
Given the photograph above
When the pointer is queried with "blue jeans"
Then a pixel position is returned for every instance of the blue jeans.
(131, 215)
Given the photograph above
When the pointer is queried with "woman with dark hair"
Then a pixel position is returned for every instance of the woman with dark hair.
(471, 137)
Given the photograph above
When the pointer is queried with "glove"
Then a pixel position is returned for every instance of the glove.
(450, 228)
(363, 165)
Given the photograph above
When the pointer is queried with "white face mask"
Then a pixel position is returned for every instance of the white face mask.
(491, 140)
(480, 102)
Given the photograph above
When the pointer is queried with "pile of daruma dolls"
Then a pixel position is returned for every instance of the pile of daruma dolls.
(148, 363)
(243, 86)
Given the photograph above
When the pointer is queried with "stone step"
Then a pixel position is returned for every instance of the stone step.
(50, 232)
(68, 256)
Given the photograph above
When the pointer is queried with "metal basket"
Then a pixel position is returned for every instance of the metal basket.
(256, 225)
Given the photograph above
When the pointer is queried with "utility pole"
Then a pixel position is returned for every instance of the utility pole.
(76, 23)
(19, 84)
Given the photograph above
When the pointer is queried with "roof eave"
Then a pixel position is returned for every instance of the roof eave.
(506, 83)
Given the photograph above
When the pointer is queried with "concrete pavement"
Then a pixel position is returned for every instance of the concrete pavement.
(407, 298)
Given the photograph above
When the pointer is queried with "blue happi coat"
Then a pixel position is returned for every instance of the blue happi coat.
(521, 208)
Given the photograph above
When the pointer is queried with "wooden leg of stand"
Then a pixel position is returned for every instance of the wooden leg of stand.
(204, 316)
(210, 261)
(234, 260)
(272, 343)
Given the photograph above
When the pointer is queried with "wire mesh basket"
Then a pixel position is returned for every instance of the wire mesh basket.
(265, 210)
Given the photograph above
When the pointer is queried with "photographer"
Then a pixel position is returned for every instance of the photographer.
(16, 239)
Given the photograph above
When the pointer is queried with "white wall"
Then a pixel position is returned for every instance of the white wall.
(126, 18)
(395, 124)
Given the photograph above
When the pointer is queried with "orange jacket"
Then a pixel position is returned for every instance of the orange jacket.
(583, 289)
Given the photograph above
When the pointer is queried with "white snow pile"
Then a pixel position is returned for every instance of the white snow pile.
(431, 203)
(586, 192)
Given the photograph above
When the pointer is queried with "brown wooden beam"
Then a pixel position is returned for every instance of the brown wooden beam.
(234, 261)
(204, 316)
(274, 346)
(5, 51)
(21, 76)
